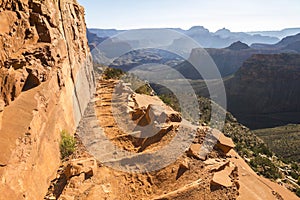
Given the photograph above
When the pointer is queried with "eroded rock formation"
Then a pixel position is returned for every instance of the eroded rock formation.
(46, 81)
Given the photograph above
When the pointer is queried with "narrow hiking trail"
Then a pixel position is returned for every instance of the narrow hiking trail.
(87, 178)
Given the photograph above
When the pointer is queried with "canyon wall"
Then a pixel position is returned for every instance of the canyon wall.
(265, 91)
(46, 81)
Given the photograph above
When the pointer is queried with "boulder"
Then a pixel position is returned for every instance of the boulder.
(225, 144)
(184, 164)
(195, 151)
(221, 178)
(82, 166)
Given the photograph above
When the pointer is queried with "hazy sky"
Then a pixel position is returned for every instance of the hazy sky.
(236, 15)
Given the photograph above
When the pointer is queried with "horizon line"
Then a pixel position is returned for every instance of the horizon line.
(185, 29)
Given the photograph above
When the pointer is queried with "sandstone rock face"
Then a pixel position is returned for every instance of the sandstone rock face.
(46, 81)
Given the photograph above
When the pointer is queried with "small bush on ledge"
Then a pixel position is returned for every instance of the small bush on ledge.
(67, 144)
(112, 73)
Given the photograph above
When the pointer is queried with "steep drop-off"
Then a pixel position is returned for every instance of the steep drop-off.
(46, 81)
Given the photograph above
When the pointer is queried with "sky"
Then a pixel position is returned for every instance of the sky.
(236, 15)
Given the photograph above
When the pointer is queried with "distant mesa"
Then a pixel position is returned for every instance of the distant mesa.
(279, 34)
(198, 30)
(223, 32)
(236, 46)
(219, 39)
(289, 43)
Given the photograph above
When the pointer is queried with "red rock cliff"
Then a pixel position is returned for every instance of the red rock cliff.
(46, 81)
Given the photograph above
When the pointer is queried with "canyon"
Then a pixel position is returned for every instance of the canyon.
(49, 86)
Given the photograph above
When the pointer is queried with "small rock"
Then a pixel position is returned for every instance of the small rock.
(222, 177)
(184, 164)
(194, 151)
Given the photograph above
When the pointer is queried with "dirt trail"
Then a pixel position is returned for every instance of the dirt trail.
(187, 178)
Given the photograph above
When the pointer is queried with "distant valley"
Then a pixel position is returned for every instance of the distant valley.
(261, 80)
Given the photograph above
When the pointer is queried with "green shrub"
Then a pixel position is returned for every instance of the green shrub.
(262, 149)
(294, 175)
(67, 144)
(265, 167)
(112, 73)
(295, 166)
(298, 192)
(166, 100)
(144, 89)
(171, 100)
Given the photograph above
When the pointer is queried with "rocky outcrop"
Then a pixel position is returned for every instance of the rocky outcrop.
(46, 81)
(71, 172)
(214, 139)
